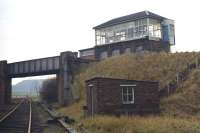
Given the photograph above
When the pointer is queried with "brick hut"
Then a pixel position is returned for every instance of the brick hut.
(121, 96)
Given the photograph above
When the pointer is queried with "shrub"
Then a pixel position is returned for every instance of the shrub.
(48, 91)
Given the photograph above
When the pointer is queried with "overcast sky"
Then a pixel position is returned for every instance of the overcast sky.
(40, 28)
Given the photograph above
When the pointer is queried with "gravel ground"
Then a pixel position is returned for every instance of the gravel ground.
(43, 116)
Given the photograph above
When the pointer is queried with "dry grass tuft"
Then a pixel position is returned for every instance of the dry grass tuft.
(186, 102)
(109, 124)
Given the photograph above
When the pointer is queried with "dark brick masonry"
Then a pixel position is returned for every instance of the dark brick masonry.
(107, 97)
(136, 46)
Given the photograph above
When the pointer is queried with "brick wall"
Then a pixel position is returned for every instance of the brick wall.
(135, 46)
(107, 95)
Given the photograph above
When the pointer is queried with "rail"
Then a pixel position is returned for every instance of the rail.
(6, 120)
(10, 112)
(30, 118)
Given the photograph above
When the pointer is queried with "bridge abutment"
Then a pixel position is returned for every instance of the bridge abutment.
(5, 84)
(65, 78)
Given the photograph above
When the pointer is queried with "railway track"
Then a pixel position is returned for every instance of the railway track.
(18, 120)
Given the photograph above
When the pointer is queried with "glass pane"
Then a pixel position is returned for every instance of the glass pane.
(124, 91)
(128, 50)
(115, 52)
(130, 32)
(130, 98)
(125, 99)
(130, 91)
(103, 55)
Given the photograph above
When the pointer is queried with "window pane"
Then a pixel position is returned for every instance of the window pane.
(128, 50)
(125, 99)
(103, 55)
(124, 91)
(130, 32)
(130, 98)
(115, 52)
(130, 91)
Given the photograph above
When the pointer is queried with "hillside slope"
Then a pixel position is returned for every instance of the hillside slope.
(179, 112)
(187, 99)
(27, 87)
(162, 67)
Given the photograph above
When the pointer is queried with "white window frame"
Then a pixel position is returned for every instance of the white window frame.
(127, 94)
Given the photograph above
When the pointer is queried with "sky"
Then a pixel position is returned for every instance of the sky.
(32, 29)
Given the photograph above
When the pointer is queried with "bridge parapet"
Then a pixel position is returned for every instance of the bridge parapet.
(5, 83)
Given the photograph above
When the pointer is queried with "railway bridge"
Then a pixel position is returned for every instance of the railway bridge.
(64, 66)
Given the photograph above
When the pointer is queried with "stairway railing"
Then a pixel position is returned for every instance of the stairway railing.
(173, 85)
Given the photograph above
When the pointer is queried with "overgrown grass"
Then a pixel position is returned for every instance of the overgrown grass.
(178, 110)
(161, 67)
(74, 111)
(186, 102)
(135, 124)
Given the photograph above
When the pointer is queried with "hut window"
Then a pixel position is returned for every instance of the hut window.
(104, 55)
(115, 52)
(128, 50)
(127, 94)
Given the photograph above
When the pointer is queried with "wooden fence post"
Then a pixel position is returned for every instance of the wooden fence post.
(177, 78)
(188, 66)
(197, 63)
(168, 89)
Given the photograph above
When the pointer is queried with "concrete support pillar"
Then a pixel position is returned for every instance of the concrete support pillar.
(3, 77)
(65, 78)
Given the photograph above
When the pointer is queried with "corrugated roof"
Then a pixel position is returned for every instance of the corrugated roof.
(128, 18)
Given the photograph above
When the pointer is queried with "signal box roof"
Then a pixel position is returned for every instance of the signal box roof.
(129, 18)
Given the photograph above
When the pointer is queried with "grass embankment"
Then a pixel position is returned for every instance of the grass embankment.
(160, 67)
(108, 124)
(186, 102)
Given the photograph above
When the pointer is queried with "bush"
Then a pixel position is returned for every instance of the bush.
(48, 91)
